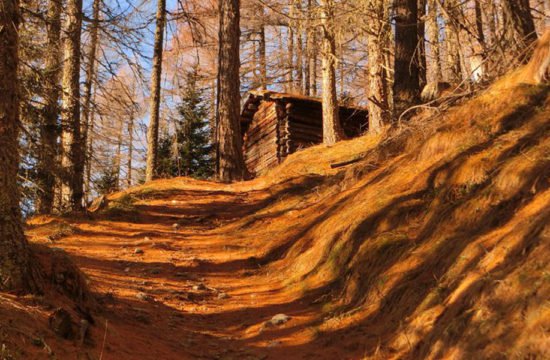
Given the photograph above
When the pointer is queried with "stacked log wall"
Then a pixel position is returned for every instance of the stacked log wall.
(260, 139)
(280, 127)
(305, 125)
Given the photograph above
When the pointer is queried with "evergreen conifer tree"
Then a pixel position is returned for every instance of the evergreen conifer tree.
(192, 153)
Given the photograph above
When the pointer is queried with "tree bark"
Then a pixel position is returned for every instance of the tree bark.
(153, 130)
(308, 50)
(18, 272)
(313, 66)
(130, 149)
(299, 49)
(332, 129)
(73, 148)
(432, 30)
(118, 155)
(406, 88)
(452, 31)
(376, 79)
(290, 58)
(90, 148)
(263, 61)
(88, 88)
(230, 163)
(519, 14)
(299, 62)
(47, 158)
(421, 44)
(477, 59)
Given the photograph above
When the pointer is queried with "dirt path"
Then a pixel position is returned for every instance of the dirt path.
(194, 290)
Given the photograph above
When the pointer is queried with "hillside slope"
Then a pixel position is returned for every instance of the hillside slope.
(434, 244)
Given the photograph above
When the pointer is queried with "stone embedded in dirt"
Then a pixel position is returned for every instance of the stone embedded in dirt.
(279, 319)
(147, 238)
(274, 343)
(222, 295)
(61, 323)
(127, 269)
(138, 251)
(176, 226)
(200, 287)
(143, 296)
(174, 202)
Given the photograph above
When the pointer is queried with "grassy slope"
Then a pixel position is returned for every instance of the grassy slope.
(435, 244)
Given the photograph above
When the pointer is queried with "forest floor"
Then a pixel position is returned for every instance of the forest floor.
(432, 242)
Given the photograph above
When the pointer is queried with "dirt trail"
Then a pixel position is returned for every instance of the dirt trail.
(188, 291)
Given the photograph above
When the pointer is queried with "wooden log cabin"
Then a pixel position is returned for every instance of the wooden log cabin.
(275, 125)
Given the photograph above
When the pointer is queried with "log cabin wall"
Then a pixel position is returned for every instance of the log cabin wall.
(306, 125)
(275, 125)
(260, 142)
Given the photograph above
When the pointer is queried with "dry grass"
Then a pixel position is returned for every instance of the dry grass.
(435, 244)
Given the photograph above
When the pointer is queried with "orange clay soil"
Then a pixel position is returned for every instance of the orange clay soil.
(434, 244)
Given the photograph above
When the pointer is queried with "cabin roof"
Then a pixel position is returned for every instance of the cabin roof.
(255, 97)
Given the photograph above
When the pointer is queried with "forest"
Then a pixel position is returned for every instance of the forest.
(271, 179)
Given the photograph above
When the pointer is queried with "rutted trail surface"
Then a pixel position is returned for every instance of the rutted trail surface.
(188, 291)
(176, 279)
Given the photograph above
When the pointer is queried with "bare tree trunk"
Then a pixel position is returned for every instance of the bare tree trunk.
(299, 62)
(477, 61)
(313, 66)
(376, 76)
(388, 45)
(421, 44)
(73, 148)
(332, 129)
(255, 82)
(342, 70)
(17, 270)
(479, 25)
(308, 50)
(489, 10)
(130, 150)
(281, 59)
(263, 61)
(118, 155)
(290, 59)
(90, 150)
(153, 130)
(452, 42)
(230, 163)
(47, 158)
(299, 49)
(406, 86)
(434, 70)
(519, 13)
(88, 88)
